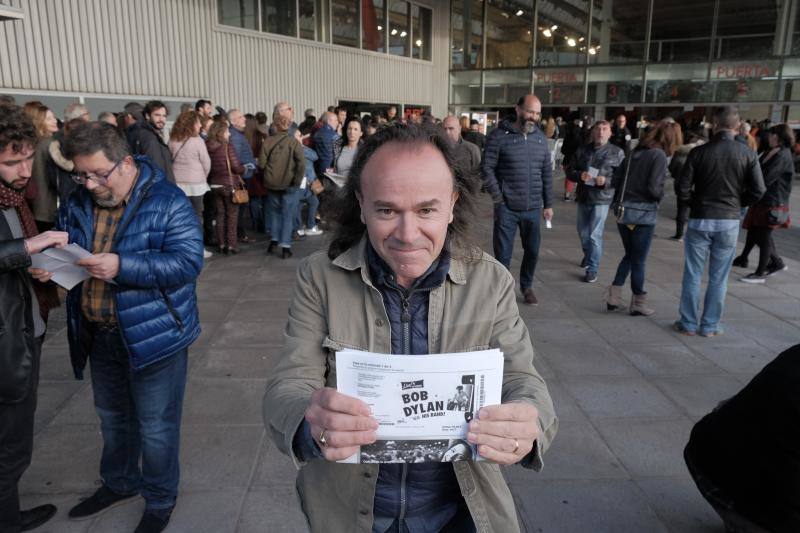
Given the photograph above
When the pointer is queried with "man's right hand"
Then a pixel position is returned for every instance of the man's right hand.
(347, 423)
(36, 244)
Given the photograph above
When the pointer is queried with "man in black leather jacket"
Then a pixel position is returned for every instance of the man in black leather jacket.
(23, 312)
(718, 179)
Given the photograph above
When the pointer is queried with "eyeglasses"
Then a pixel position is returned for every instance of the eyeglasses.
(82, 177)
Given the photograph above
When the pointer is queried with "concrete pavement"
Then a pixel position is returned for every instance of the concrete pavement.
(627, 391)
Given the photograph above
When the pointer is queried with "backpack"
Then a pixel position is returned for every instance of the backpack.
(278, 162)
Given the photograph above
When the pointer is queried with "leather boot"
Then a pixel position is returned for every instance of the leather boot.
(639, 306)
(614, 298)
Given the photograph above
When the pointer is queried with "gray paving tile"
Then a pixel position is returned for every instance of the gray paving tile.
(56, 365)
(668, 360)
(578, 506)
(78, 409)
(271, 290)
(774, 334)
(220, 291)
(274, 469)
(648, 447)
(788, 308)
(698, 395)
(680, 506)
(626, 330)
(745, 358)
(247, 310)
(222, 362)
(619, 397)
(567, 409)
(218, 457)
(66, 459)
(276, 510)
(215, 310)
(237, 333)
(51, 399)
(223, 401)
(581, 359)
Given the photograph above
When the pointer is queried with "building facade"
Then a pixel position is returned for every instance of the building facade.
(645, 58)
(238, 53)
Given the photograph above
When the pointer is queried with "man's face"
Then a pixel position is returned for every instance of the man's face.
(207, 109)
(15, 167)
(285, 110)
(452, 129)
(391, 112)
(474, 127)
(342, 116)
(332, 120)
(529, 113)
(115, 185)
(621, 121)
(237, 120)
(407, 201)
(158, 118)
(602, 133)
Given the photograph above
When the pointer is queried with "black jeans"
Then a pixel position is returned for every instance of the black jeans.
(637, 245)
(16, 447)
(681, 218)
(762, 237)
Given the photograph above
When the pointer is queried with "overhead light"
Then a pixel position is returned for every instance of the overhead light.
(419, 42)
(581, 39)
(529, 32)
(571, 42)
(554, 27)
(380, 28)
(403, 34)
(546, 32)
(394, 31)
(592, 51)
(520, 12)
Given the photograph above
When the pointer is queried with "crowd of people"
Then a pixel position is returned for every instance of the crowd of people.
(399, 195)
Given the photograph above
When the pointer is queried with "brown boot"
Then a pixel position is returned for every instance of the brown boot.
(613, 298)
(639, 306)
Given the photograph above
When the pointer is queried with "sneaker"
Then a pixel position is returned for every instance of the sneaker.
(154, 521)
(676, 238)
(774, 269)
(301, 231)
(101, 501)
(314, 231)
(35, 517)
(206, 254)
(529, 297)
(709, 334)
(677, 326)
(590, 277)
(754, 278)
(740, 262)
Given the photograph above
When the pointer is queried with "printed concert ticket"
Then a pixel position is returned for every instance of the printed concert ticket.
(423, 403)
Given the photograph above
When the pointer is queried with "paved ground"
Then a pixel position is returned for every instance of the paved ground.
(627, 391)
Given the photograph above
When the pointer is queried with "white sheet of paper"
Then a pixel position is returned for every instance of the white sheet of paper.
(423, 403)
(593, 172)
(338, 179)
(61, 262)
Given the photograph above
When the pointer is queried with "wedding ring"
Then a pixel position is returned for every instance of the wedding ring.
(322, 440)
(516, 445)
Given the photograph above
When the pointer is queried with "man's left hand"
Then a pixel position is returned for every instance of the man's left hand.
(505, 433)
(102, 266)
(548, 213)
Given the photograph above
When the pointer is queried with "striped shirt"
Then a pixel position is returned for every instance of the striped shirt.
(97, 302)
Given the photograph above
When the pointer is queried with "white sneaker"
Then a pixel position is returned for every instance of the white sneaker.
(301, 232)
(314, 231)
(206, 254)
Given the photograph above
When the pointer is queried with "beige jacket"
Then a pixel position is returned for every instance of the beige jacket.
(335, 306)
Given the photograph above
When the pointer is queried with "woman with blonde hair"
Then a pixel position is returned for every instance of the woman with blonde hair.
(44, 200)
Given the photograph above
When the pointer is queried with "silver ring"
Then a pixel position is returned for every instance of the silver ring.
(516, 446)
(322, 440)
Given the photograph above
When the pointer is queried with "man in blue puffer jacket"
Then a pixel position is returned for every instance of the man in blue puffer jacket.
(135, 318)
(519, 176)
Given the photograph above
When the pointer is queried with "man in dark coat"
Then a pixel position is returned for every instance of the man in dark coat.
(519, 176)
(620, 134)
(23, 313)
(147, 137)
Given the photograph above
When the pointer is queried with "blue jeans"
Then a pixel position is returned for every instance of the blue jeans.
(140, 418)
(313, 204)
(591, 223)
(282, 208)
(718, 247)
(637, 245)
(506, 222)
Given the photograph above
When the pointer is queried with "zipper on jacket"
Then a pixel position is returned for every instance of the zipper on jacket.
(405, 318)
(403, 475)
(172, 310)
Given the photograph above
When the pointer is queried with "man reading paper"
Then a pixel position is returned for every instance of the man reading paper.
(402, 276)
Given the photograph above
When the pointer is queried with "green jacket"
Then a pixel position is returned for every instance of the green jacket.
(335, 306)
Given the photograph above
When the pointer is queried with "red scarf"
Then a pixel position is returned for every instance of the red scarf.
(46, 293)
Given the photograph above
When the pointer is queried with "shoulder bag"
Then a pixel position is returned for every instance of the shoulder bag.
(634, 213)
(239, 195)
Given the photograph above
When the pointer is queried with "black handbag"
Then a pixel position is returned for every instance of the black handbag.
(634, 213)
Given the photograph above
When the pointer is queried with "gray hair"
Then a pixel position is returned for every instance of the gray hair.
(75, 110)
(105, 115)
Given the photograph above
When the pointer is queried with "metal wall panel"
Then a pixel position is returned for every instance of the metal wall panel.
(175, 49)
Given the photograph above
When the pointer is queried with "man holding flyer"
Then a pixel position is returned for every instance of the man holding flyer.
(402, 276)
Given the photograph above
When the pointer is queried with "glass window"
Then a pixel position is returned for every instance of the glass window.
(793, 39)
(681, 30)
(344, 22)
(467, 33)
(618, 31)
(746, 29)
(561, 33)
(615, 85)
(278, 16)
(465, 87)
(312, 17)
(421, 32)
(373, 24)
(791, 79)
(508, 33)
(239, 13)
(399, 37)
(506, 86)
(559, 85)
(741, 81)
(682, 82)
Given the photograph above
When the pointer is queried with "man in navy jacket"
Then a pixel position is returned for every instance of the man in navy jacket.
(519, 176)
(135, 318)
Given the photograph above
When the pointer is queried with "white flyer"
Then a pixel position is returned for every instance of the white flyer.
(61, 262)
(423, 403)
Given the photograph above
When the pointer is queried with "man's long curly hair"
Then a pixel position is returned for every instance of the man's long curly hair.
(16, 129)
(346, 211)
